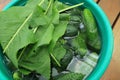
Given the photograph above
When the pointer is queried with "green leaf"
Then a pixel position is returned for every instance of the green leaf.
(39, 62)
(60, 5)
(31, 4)
(45, 35)
(58, 52)
(14, 31)
(38, 18)
(53, 14)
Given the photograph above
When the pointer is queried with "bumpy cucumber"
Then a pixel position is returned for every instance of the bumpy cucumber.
(79, 45)
(91, 29)
(70, 76)
(78, 66)
(71, 30)
(66, 59)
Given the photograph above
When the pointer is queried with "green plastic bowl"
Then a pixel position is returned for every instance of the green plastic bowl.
(105, 33)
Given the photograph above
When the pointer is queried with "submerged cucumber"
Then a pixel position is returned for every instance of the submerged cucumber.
(79, 66)
(69, 76)
(91, 29)
(79, 45)
(91, 59)
(71, 30)
(66, 59)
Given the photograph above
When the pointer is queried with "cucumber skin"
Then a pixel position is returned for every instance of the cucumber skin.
(66, 59)
(70, 76)
(79, 45)
(91, 29)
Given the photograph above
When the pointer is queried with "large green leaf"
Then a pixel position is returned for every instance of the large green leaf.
(39, 62)
(14, 31)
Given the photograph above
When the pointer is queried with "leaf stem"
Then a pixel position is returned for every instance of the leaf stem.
(21, 53)
(48, 6)
(41, 3)
(71, 7)
(55, 60)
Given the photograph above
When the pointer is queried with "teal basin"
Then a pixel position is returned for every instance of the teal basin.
(105, 33)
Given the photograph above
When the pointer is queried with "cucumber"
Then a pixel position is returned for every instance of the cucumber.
(54, 72)
(91, 59)
(91, 29)
(79, 45)
(75, 18)
(17, 76)
(66, 59)
(69, 76)
(78, 66)
(71, 30)
(73, 26)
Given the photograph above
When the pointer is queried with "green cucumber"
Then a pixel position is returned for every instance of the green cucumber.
(91, 59)
(91, 29)
(69, 76)
(66, 59)
(78, 66)
(75, 18)
(71, 30)
(79, 45)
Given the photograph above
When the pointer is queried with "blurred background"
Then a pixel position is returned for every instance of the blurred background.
(112, 10)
